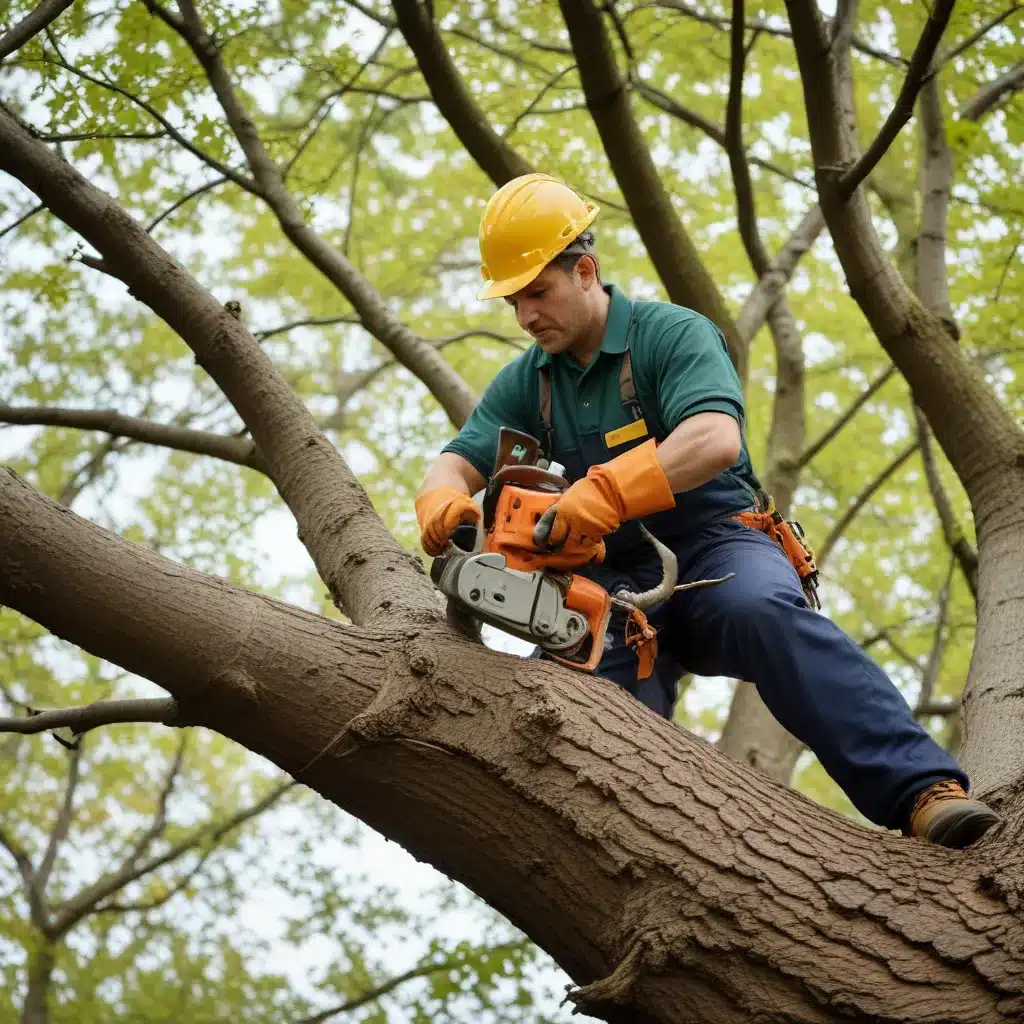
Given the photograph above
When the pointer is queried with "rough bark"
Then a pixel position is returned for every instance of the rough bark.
(699, 890)
(978, 435)
(668, 244)
(308, 472)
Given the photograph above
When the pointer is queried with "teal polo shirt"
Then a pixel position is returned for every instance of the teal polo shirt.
(680, 367)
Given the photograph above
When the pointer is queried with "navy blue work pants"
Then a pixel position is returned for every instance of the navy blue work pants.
(815, 680)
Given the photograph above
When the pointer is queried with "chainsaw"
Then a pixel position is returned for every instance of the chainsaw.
(489, 571)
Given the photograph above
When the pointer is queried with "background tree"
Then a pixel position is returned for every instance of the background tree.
(326, 154)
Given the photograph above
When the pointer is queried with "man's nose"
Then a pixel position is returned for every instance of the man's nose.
(526, 313)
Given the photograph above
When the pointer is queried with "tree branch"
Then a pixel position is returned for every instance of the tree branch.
(21, 220)
(188, 197)
(314, 321)
(302, 462)
(239, 450)
(32, 24)
(989, 95)
(499, 161)
(159, 822)
(672, 251)
(746, 212)
(844, 418)
(774, 279)
(974, 37)
(223, 170)
(450, 390)
(768, 28)
(672, 107)
(918, 69)
(91, 716)
(89, 899)
(858, 503)
(930, 670)
(957, 540)
(62, 825)
(423, 970)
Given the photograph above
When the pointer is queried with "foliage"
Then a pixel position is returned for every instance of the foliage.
(381, 175)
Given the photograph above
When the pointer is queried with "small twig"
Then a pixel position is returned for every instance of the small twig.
(974, 37)
(930, 672)
(989, 95)
(919, 68)
(21, 220)
(844, 418)
(861, 500)
(178, 204)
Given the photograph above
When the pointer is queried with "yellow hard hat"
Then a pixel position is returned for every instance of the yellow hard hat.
(525, 225)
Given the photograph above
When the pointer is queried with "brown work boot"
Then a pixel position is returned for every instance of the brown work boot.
(945, 815)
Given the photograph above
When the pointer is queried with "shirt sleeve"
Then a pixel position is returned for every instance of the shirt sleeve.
(694, 372)
(501, 405)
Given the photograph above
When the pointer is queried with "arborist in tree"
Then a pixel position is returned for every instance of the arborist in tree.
(640, 403)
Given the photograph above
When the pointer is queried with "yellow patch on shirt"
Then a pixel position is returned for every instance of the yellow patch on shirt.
(631, 431)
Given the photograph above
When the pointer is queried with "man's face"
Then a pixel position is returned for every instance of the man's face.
(553, 308)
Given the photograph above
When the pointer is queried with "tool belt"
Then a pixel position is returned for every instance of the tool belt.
(789, 535)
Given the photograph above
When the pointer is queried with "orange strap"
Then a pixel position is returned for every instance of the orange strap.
(800, 556)
(642, 638)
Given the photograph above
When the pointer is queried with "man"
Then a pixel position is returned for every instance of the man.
(641, 405)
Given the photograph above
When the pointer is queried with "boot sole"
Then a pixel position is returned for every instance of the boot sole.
(962, 828)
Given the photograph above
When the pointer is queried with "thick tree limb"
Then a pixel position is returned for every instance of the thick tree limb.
(918, 69)
(858, 503)
(829, 434)
(239, 450)
(417, 733)
(977, 433)
(92, 716)
(499, 161)
(420, 358)
(332, 510)
(32, 24)
(989, 95)
(668, 244)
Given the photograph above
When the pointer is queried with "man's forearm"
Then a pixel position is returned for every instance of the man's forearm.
(451, 470)
(700, 448)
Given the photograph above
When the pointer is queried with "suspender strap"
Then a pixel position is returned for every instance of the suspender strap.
(627, 389)
(547, 428)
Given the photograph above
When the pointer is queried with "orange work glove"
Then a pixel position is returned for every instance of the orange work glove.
(439, 512)
(630, 486)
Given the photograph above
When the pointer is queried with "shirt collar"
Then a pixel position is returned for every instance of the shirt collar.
(616, 326)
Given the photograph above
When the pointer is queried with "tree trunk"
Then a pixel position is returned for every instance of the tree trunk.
(979, 436)
(36, 1009)
(672, 883)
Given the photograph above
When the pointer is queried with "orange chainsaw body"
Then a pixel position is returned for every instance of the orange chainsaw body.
(525, 493)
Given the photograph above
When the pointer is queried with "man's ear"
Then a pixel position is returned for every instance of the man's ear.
(588, 270)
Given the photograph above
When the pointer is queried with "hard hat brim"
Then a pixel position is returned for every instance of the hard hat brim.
(502, 289)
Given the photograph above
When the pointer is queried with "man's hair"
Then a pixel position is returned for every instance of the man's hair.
(582, 245)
